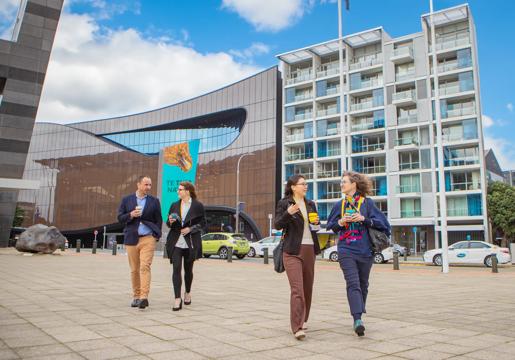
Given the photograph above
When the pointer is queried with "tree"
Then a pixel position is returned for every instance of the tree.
(501, 209)
(19, 214)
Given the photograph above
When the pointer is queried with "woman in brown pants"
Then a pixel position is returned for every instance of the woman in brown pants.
(292, 215)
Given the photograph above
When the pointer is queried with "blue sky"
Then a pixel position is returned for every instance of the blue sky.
(225, 40)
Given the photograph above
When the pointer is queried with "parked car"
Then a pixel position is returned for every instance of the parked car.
(401, 249)
(469, 252)
(270, 242)
(379, 258)
(219, 243)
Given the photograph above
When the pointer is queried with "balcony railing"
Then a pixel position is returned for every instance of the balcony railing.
(457, 212)
(462, 161)
(297, 156)
(333, 152)
(411, 188)
(367, 124)
(409, 165)
(333, 195)
(404, 50)
(328, 111)
(369, 147)
(451, 42)
(469, 110)
(295, 137)
(407, 119)
(362, 105)
(371, 82)
(332, 90)
(303, 116)
(304, 96)
(366, 61)
(323, 174)
(462, 186)
(409, 140)
(411, 213)
(332, 131)
(410, 95)
(405, 76)
(373, 169)
(299, 76)
(328, 69)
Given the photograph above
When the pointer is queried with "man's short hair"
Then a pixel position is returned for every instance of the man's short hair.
(141, 177)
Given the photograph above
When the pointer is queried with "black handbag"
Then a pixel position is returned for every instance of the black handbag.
(378, 239)
(278, 257)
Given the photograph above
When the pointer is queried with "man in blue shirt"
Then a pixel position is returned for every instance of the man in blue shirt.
(140, 212)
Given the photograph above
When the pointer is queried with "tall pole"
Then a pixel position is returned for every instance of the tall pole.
(342, 102)
(238, 192)
(439, 147)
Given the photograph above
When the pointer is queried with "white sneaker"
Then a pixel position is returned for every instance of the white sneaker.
(299, 335)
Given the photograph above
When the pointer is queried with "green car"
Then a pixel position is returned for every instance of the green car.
(219, 243)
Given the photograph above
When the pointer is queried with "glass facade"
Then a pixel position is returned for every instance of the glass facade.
(86, 168)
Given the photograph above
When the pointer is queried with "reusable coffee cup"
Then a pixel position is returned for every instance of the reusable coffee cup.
(312, 216)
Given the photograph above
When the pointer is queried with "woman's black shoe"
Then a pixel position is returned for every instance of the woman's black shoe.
(187, 302)
(177, 308)
(143, 303)
(135, 303)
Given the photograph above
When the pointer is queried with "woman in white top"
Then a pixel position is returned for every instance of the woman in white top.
(186, 219)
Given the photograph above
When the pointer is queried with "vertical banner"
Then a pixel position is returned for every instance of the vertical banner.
(179, 163)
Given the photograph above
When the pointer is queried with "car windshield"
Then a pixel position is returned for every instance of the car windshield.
(239, 237)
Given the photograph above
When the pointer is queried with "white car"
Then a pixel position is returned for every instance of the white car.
(469, 252)
(270, 242)
(379, 258)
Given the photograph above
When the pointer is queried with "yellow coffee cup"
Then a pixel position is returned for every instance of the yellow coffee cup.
(312, 216)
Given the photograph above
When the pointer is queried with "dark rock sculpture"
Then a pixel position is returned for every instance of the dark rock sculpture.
(40, 238)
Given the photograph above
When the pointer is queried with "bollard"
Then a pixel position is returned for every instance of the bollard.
(494, 263)
(229, 254)
(406, 255)
(165, 253)
(115, 246)
(265, 256)
(94, 249)
(78, 245)
(396, 260)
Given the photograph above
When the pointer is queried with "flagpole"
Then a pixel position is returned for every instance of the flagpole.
(342, 102)
(439, 147)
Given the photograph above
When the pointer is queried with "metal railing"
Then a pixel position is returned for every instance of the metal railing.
(305, 96)
(299, 76)
(405, 76)
(461, 161)
(469, 110)
(409, 140)
(362, 105)
(408, 119)
(460, 39)
(297, 156)
(332, 90)
(373, 169)
(457, 212)
(328, 111)
(323, 174)
(328, 69)
(411, 213)
(332, 131)
(370, 147)
(295, 137)
(371, 82)
(462, 186)
(366, 61)
(405, 95)
(411, 188)
(404, 50)
(409, 165)
(303, 116)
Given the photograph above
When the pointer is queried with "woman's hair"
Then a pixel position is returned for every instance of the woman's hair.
(293, 180)
(191, 188)
(363, 183)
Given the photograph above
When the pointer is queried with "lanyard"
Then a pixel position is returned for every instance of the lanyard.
(360, 201)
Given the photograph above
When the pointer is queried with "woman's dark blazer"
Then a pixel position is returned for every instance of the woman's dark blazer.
(195, 220)
(293, 225)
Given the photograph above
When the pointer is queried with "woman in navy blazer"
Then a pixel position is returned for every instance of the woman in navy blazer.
(351, 218)
(186, 220)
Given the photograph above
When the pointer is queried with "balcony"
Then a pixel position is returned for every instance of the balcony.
(452, 137)
(465, 111)
(413, 165)
(328, 111)
(407, 119)
(333, 152)
(295, 137)
(458, 40)
(411, 188)
(303, 116)
(299, 76)
(402, 55)
(332, 90)
(404, 76)
(450, 66)
(462, 161)
(457, 212)
(324, 174)
(408, 140)
(332, 131)
(404, 97)
(328, 69)
(366, 61)
(464, 186)
(369, 147)
(368, 124)
(373, 169)
(411, 213)
(332, 195)
(369, 83)
(362, 106)
(303, 96)
(298, 156)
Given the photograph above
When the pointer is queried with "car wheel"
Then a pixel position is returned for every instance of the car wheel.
(240, 256)
(378, 258)
(252, 252)
(207, 255)
(488, 261)
(333, 256)
(437, 260)
(223, 253)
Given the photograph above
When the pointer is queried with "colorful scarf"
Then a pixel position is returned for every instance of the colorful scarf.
(351, 233)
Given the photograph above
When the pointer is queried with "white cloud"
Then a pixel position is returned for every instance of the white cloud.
(255, 49)
(269, 15)
(504, 151)
(487, 121)
(8, 11)
(96, 73)
(509, 106)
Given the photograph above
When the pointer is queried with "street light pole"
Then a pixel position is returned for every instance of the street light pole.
(238, 192)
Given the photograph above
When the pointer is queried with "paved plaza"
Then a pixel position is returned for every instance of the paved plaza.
(75, 306)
